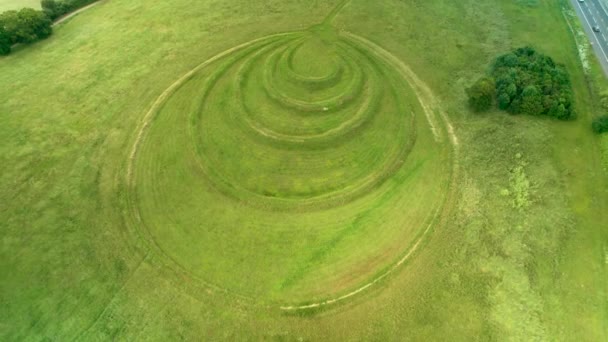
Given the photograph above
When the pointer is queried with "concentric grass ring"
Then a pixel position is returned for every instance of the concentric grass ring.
(245, 150)
(286, 63)
(315, 198)
(353, 89)
(305, 140)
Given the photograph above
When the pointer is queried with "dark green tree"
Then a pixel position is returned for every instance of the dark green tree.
(26, 25)
(561, 112)
(531, 101)
(5, 42)
(51, 8)
(37, 22)
(9, 21)
(504, 101)
(481, 94)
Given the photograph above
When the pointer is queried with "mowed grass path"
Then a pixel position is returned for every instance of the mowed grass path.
(72, 268)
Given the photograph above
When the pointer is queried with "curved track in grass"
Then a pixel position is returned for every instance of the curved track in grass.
(294, 170)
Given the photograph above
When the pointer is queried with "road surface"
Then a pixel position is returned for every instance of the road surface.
(594, 13)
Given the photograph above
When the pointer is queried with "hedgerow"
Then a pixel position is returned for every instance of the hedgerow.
(29, 25)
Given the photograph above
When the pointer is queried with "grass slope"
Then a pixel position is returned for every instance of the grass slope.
(521, 256)
(6, 5)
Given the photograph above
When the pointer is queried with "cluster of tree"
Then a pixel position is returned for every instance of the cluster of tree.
(57, 8)
(24, 26)
(600, 124)
(525, 82)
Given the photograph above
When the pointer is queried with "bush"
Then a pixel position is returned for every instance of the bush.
(600, 125)
(481, 94)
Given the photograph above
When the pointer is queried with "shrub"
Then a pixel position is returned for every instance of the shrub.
(600, 124)
(481, 94)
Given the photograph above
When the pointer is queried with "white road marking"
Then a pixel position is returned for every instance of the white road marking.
(597, 9)
(591, 27)
(602, 5)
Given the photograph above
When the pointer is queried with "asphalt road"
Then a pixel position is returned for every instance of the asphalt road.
(594, 13)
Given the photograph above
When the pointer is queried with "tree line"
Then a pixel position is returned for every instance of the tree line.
(57, 8)
(525, 81)
(28, 25)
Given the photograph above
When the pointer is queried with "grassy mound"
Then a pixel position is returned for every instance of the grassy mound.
(301, 162)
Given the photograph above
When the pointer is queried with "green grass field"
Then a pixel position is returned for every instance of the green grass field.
(296, 170)
(6, 5)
